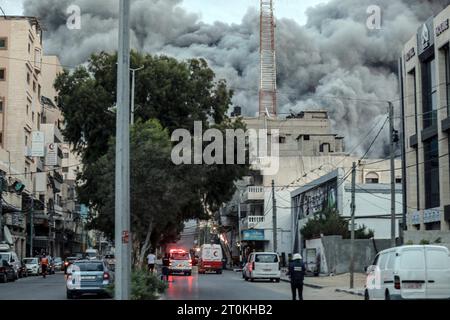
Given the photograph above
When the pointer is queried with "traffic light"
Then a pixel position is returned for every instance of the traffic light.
(18, 187)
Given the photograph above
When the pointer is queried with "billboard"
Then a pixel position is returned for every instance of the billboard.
(51, 159)
(37, 144)
(253, 235)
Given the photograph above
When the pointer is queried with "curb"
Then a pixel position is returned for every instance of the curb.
(349, 291)
(314, 286)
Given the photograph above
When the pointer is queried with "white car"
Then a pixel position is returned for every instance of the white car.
(33, 266)
(262, 265)
(409, 272)
(13, 260)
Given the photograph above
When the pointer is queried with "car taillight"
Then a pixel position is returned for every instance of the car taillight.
(105, 276)
(397, 285)
(66, 263)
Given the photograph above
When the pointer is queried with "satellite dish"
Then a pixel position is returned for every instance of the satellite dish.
(8, 236)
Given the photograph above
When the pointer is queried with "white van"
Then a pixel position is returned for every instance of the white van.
(91, 254)
(409, 272)
(262, 265)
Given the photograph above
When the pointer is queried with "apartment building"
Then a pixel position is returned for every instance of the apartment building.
(308, 150)
(28, 111)
(425, 81)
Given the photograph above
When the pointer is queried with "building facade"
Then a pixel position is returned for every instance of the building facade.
(425, 83)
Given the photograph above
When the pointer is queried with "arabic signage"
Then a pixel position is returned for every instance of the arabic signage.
(425, 36)
(253, 235)
(442, 27)
(410, 54)
(37, 144)
(51, 158)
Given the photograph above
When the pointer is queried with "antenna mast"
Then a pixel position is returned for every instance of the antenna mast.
(268, 81)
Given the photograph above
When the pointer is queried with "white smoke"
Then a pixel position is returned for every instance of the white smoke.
(334, 54)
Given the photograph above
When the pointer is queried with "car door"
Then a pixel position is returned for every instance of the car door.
(371, 280)
(379, 289)
(438, 273)
(411, 273)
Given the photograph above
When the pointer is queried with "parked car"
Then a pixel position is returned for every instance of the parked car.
(33, 266)
(68, 262)
(262, 265)
(58, 264)
(88, 276)
(23, 272)
(12, 259)
(7, 272)
(409, 272)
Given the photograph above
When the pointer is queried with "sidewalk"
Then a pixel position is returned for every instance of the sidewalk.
(340, 283)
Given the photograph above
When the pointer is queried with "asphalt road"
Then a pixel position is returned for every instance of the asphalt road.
(230, 286)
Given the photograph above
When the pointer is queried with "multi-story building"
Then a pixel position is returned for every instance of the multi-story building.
(308, 150)
(37, 213)
(425, 82)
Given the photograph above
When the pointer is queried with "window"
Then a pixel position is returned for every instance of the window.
(431, 164)
(325, 147)
(1, 106)
(34, 86)
(28, 109)
(391, 261)
(32, 116)
(447, 77)
(66, 155)
(28, 78)
(282, 139)
(2, 74)
(26, 140)
(412, 259)
(383, 260)
(65, 169)
(429, 93)
(3, 43)
(398, 180)
(39, 91)
(306, 138)
(29, 47)
(372, 177)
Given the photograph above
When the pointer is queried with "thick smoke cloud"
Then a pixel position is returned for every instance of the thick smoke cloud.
(334, 54)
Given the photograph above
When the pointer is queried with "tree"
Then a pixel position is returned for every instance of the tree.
(169, 95)
(329, 222)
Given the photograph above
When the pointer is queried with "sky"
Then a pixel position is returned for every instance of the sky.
(230, 11)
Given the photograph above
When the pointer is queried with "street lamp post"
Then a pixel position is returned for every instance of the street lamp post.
(133, 85)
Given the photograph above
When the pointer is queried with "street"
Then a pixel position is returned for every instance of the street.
(231, 286)
(227, 286)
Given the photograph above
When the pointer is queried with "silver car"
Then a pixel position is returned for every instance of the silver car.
(88, 276)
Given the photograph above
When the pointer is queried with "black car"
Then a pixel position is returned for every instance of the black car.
(23, 272)
(6, 272)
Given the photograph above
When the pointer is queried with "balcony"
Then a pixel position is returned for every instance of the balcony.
(253, 193)
(252, 222)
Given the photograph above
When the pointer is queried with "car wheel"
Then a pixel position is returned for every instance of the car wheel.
(252, 279)
(387, 296)
(277, 280)
(366, 295)
(4, 278)
(69, 295)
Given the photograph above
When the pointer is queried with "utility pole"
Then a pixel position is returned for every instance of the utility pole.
(392, 154)
(122, 191)
(274, 217)
(352, 247)
(1, 204)
(133, 84)
(31, 225)
(239, 229)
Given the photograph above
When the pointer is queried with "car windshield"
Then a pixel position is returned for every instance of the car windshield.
(30, 260)
(266, 258)
(71, 259)
(4, 256)
(57, 260)
(89, 266)
(179, 256)
(91, 254)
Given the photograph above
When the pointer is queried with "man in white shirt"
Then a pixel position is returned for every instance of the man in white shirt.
(151, 259)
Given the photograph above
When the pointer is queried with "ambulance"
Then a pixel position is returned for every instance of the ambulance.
(210, 258)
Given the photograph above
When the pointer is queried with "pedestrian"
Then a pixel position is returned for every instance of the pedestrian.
(165, 268)
(296, 273)
(151, 259)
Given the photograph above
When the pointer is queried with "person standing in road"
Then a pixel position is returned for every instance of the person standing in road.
(165, 268)
(296, 273)
(151, 260)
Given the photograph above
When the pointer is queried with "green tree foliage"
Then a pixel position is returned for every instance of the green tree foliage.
(330, 223)
(169, 95)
